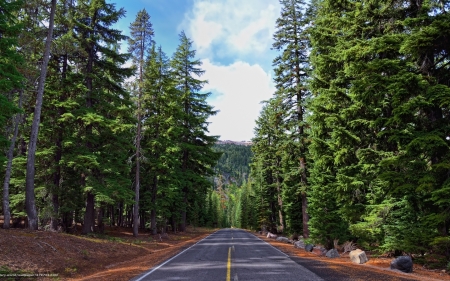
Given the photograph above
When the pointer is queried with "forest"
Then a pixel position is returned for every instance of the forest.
(106, 144)
(233, 167)
(352, 146)
(354, 143)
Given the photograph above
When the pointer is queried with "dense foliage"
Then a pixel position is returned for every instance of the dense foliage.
(362, 98)
(117, 145)
(234, 164)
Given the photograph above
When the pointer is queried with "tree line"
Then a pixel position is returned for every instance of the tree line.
(234, 164)
(88, 140)
(354, 143)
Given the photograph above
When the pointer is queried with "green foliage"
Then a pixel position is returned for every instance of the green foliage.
(234, 164)
(10, 78)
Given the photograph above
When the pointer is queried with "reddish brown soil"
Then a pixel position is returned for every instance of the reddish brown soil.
(117, 255)
(374, 264)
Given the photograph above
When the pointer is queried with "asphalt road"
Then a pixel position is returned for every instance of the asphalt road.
(250, 259)
(233, 255)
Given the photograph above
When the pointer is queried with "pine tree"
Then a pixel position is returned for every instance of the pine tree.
(102, 120)
(291, 73)
(29, 184)
(141, 32)
(266, 165)
(197, 156)
(10, 80)
(377, 124)
(161, 114)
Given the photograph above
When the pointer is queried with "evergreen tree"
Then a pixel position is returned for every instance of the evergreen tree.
(141, 32)
(291, 73)
(103, 102)
(10, 80)
(162, 111)
(197, 156)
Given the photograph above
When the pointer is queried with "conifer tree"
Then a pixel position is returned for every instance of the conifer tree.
(141, 32)
(197, 156)
(162, 111)
(31, 154)
(10, 80)
(291, 72)
(100, 116)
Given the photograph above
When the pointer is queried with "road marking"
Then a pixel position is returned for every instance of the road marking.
(154, 269)
(229, 265)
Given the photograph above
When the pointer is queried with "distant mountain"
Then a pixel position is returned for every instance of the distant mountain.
(234, 165)
(246, 143)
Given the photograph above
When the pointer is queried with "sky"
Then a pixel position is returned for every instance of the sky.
(233, 39)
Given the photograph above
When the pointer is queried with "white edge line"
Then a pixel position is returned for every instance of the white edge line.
(271, 246)
(156, 268)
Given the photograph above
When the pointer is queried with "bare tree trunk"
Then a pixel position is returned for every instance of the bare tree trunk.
(153, 211)
(31, 157)
(10, 156)
(100, 224)
(89, 215)
(120, 215)
(138, 167)
(112, 220)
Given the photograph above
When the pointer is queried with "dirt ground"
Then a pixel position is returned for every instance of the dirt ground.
(344, 264)
(115, 255)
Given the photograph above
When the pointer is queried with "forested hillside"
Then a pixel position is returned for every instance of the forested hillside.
(234, 165)
(105, 144)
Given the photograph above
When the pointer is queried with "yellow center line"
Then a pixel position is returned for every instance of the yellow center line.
(229, 265)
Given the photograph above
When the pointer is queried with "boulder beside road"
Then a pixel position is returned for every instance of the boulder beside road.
(283, 239)
(358, 256)
(403, 263)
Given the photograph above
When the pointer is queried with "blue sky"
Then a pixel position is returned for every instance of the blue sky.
(233, 40)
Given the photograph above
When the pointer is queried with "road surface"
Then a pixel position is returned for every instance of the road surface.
(233, 255)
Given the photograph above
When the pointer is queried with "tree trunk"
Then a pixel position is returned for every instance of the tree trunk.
(30, 203)
(10, 156)
(136, 197)
(89, 215)
(305, 216)
(153, 211)
(112, 221)
(120, 215)
(100, 224)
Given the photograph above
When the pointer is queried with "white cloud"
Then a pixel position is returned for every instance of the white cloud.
(242, 87)
(229, 27)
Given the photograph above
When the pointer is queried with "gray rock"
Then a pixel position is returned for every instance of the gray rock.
(309, 247)
(270, 235)
(403, 263)
(358, 256)
(283, 239)
(333, 253)
(299, 244)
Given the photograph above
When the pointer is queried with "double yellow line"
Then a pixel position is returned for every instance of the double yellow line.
(229, 265)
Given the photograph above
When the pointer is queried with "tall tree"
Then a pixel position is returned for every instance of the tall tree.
(161, 114)
(291, 73)
(197, 156)
(10, 80)
(29, 193)
(141, 38)
(100, 116)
